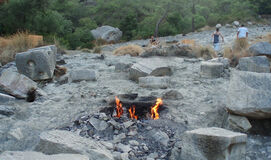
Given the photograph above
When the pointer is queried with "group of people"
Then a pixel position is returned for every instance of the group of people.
(241, 34)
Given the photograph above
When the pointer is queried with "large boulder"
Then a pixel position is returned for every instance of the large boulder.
(218, 26)
(107, 33)
(213, 144)
(29, 155)
(57, 141)
(149, 67)
(236, 23)
(37, 63)
(258, 64)
(211, 69)
(249, 94)
(261, 48)
(154, 82)
(16, 84)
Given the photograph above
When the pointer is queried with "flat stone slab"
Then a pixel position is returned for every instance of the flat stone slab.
(238, 123)
(249, 94)
(211, 69)
(16, 84)
(258, 64)
(213, 144)
(154, 82)
(4, 98)
(82, 75)
(57, 141)
(28, 155)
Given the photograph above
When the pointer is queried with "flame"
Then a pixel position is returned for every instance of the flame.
(118, 107)
(132, 112)
(154, 109)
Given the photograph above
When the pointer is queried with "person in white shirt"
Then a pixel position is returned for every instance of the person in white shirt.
(242, 32)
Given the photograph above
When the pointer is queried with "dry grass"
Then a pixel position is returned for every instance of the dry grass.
(188, 42)
(16, 43)
(235, 55)
(206, 52)
(240, 44)
(97, 49)
(133, 50)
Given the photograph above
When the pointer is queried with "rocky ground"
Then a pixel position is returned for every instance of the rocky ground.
(200, 102)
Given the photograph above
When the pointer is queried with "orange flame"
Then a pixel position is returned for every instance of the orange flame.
(119, 107)
(154, 109)
(132, 113)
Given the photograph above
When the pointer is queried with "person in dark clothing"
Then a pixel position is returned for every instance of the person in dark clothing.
(216, 36)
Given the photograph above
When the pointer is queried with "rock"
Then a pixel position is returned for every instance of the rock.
(128, 124)
(213, 143)
(172, 95)
(249, 23)
(6, 98)
(123, 148)
(225, 61)
(119, 137)
(133, 143)
(7, 110)
(82, 75)
(249, 94)
(108, 145)
(237, 123)
(57, 141)
(107, 33)
(28, 155)
(236, 24)
(159, 136)
(228, 26)
(149, 67)
(37, 63)
(154, 82)
(153, 51)
(99, 125)
(218, 26)
(132, 133)
(211, 69)
(182, 50)
(122, 67)
(16, 84)
(258, 64)
(15, 133)
(261, 48)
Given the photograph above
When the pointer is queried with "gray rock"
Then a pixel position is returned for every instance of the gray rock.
(258, 64)
(153, 51)
(37, 63)
(28, 155)
(238, 123)
(99, 125)
(228, 26)
(107, 33)
(154, 82)
(249, 94)
(159, 136)
(82, 75)
(6, 98)
(249, 23)
(16, 84)
(172, 95)
(56, 141)
(119, 137)
(211, 69)
(133, 143)
(182, 50)
(123, 148)
(146, 67)
(218, 26)
(225, 61)
(122, 67)
(213, 143)
(7, 110)
(261, 48)
(236, 23)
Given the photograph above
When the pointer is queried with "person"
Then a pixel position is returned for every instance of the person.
(154, 41)
(216, 36)
(242, 32)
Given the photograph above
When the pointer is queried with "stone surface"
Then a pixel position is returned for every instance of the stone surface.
(82, 75)
(258, 64)
(261, 48)
(172, 95)
(57, 141)
(237, 123)
(211, 69)
(28, 155)
(225, 61)
(154, 82)
(122, 67)
(213, 144)
(4, 98)
(159, 136)
(218, 26)
(249, 94)
(236, 23)
(7, 110)
(146, 67)
(37, 63)
(16, 84)
(107, 33)
(99, 125)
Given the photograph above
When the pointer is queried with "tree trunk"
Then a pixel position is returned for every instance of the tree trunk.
(160, 21)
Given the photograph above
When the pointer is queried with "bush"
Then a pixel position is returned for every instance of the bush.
(240, 44)
(206, 52)
(235, 55)
(133, 50)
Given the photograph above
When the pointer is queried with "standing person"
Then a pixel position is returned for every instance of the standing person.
(242, 32)
(216, 36)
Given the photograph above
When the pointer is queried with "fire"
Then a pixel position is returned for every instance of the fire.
(154, 109)
(119, 107)
(132, 112)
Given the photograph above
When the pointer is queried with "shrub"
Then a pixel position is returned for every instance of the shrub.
(133, 50)
(206, 52)
(97, 49)
(235, 55)
(240, 44)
